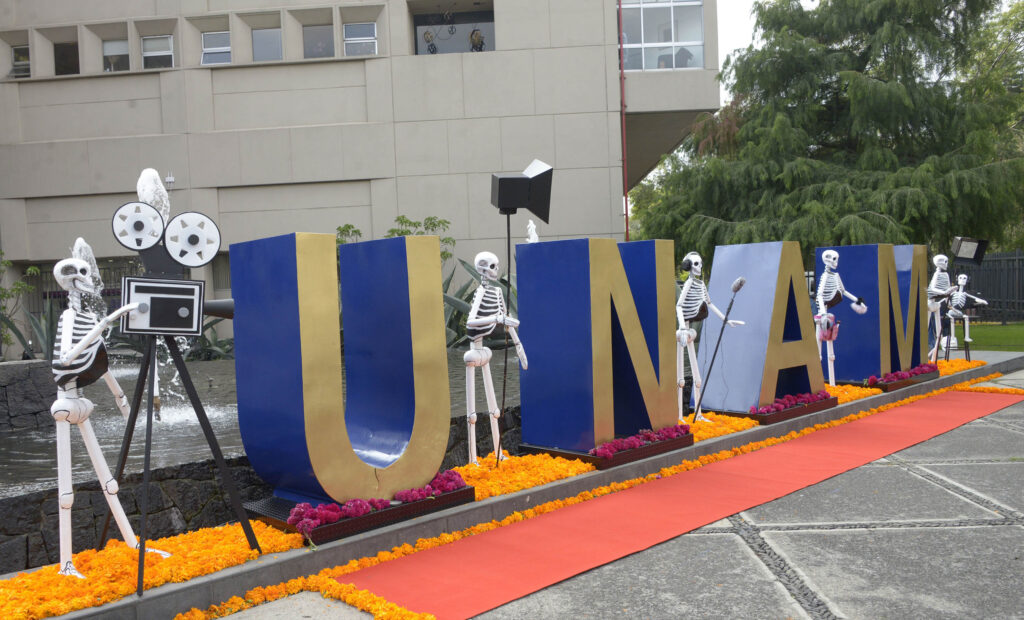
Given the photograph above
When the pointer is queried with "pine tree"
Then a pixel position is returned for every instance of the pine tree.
(858, 121)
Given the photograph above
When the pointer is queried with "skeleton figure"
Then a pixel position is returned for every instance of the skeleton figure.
(487, 312)
(830, 293)
(939, 290)
(692, 307)
(957, 303)
(79, 359)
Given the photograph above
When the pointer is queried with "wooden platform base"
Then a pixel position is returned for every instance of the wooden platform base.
(787, 414)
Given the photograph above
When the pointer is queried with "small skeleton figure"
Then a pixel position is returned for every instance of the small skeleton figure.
(531, 232)
(692, 307)
(79, 359)
(830, 293)
(957, 303)
(939, 290)
(487, 312)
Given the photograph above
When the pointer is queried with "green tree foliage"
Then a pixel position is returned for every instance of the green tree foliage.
(10, 303)
(857, 121)
(431, 225)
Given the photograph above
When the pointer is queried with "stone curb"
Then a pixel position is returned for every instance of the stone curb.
(170, 599)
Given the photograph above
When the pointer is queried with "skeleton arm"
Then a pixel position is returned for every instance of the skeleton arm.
(719, 313)
(977, 300)
(847, 294)
(94, 334)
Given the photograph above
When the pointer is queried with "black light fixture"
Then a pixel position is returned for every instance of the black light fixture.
(967, 249)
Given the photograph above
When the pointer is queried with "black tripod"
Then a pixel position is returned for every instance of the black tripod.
(147, 374)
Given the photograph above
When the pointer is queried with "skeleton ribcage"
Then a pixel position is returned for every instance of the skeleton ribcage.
(90, 364)
(830, 288)
(694, 305)
(957, 303)
(939, 284)
(487, 301)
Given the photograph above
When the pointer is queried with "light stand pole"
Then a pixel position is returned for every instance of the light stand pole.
(736, 286)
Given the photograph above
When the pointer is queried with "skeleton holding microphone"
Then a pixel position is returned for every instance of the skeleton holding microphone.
(830, 293)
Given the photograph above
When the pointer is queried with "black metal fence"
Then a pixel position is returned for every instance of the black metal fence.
(1000, 281)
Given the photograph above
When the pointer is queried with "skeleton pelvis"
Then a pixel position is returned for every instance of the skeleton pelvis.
(73, 410)
(934, 305)
(477, 357)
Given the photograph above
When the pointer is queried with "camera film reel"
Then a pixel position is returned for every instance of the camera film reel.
(192, 239)
(137, 226)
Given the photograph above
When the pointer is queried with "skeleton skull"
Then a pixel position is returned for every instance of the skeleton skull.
(74, 275)
(486, 264)
(940, 261)
(696, 263)
(830, 258)
(962, 279)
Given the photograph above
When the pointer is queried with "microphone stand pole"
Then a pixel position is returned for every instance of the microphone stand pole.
(714, 354)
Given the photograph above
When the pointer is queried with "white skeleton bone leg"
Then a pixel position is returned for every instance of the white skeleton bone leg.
(691, 352)
(492, 409)
(470, 413)
(107, 483)
(831, 363)
(967, 329)
(680, 371)
(66, 497)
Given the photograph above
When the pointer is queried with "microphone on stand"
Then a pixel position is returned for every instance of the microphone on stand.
(737, 284)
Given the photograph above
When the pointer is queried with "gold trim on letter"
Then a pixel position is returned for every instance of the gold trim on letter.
(803, 352)
(917, 312)
(341, 473)
(608, 285)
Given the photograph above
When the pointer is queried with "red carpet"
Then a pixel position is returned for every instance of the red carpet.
(482, 572)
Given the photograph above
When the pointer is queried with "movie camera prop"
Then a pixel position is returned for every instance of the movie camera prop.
(168, 305)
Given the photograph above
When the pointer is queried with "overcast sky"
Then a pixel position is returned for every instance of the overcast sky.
(735, 30)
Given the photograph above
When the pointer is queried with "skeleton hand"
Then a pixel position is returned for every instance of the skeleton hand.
(733, 323)
(508, 321)
(982, 302)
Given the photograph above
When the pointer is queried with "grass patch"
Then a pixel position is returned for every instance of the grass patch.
(993, 337)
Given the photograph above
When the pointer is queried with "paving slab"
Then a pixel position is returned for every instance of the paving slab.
(1013, 413)
(713, 576)
(1000, 482)
(975, 440)
(864, 495)
(965, 572)
(303, 605)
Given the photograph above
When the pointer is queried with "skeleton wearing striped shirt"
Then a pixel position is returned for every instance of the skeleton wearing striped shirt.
(939, 290)
(692, 307)
(487, 311)
(79, 359)
(958, 302)
(830, 294)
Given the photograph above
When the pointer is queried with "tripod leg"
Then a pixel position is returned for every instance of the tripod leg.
(144, 497)
(225, 475)
(129, 428)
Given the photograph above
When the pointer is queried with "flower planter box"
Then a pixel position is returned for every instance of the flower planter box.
(787, 414)
(619, 458)
(274, 511)
(895, 385)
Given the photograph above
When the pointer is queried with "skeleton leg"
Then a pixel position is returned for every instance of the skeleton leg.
(967, 338)
(470, 414)
(680, 373)
(933, 355)
(66, 496)
(830, 346)
(817, 336)
(492, 409)
(119, 398)
(107, 483)
(695, 371)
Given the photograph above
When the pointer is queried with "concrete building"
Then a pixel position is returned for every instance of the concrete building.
(274, 117)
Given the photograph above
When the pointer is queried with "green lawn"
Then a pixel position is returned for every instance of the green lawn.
(994, 337)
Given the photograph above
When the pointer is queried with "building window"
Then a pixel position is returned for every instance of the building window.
(318, 41)
(266, 44)
(453, 33)
(216, 48)
(115, 55)
(20, 67)
(361, 39)
(65, 58)
(158, 52)
(665, 34)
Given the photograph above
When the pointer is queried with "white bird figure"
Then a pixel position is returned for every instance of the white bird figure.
(486, 313)
(830, 293)
(692, 307)
(79, 359)
(939, 290)
(957, 303)
(531, 232)
(151, 191)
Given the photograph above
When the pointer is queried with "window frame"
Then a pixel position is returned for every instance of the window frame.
(77, 57)
(280, 47)
(643, 45)
(169, 52)
(219, 49)
(16, 65)
(126, 54)
(328, 28)
(346, 39)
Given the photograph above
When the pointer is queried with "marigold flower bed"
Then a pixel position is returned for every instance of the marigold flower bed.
(518, 472)
(718, 425)
(849, 393)
(112, 573)
(954, 366)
